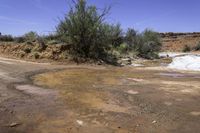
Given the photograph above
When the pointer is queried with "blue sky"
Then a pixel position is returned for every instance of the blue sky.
(20, 16)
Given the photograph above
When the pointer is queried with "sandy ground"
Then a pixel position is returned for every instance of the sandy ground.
(44, 98)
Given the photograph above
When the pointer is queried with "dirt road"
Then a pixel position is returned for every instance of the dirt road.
(22, 105)
(82, 99)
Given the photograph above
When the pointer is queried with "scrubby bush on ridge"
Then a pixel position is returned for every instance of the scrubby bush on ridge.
(197, 47)
(31, 36)
(6, 38)
(186, 48)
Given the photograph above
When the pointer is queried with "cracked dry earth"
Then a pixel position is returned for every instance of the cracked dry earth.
(44, 98)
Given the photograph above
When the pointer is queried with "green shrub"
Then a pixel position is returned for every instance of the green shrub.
(84, 28)
(19, 39)
(6, 38)
(31, 36)
(115, 34)
(197, 47)
(146, 44)
(148, 50)
(149, 44)
(36, 55)
(131, 38)
(186, 48)
(42, 44)
(123, 48)
(27, 50)
(52, 42)
(29, 43)
(51, 37)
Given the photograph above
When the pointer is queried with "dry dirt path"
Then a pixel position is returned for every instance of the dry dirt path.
(85, 99)
(23, 106)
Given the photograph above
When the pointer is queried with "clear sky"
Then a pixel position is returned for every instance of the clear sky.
(20, 16)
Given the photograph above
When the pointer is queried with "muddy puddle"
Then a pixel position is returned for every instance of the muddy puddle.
(119, 99)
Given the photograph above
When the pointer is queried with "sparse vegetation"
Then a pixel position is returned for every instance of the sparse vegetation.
(88, 36)
(85, 29)
(31, 36)
(197, 47)
(6, 38)
(146, 44)
(186, 48)
(149, 44)
(19, 39)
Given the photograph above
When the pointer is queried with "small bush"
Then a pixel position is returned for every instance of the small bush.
(21, 54)
(51, 37)
(148, 51)
(31, 36)
(6, 38)
(29, 43)
(27, 50)
(197, 47)
(36, 55)
(123, 48)
(131, 38)
(149, 44)
(42, 44)
(19, 39)
(186, 48)
(52, 42)
(146, 44)
(115, 34)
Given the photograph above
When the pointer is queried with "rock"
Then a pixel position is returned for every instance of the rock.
(79, 122)
(132, 92)
(125, 61)
(136, 80)
(153, 122)
(14, 124)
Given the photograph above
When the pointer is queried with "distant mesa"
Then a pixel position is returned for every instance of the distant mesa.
(176, 34)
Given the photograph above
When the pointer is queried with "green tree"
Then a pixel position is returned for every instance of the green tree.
(116, 35)
(150, 44)
(84, 28)
(131, 38)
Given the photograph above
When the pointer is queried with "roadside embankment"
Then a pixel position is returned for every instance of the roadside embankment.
(34, 51)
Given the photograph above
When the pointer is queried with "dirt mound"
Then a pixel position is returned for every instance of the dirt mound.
(35, 51)
(176, 41)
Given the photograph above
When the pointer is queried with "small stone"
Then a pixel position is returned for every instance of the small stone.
(153, 122)
(11, 111)
(14, 124)
(79, 122)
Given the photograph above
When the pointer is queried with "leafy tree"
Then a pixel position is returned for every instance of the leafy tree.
(84, 28)
(116, 35)
(150, 44)
(132, 39)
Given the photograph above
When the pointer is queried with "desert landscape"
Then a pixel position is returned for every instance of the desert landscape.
(91, 76)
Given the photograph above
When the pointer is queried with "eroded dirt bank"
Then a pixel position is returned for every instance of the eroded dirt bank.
(85, 99)
(175, 42)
